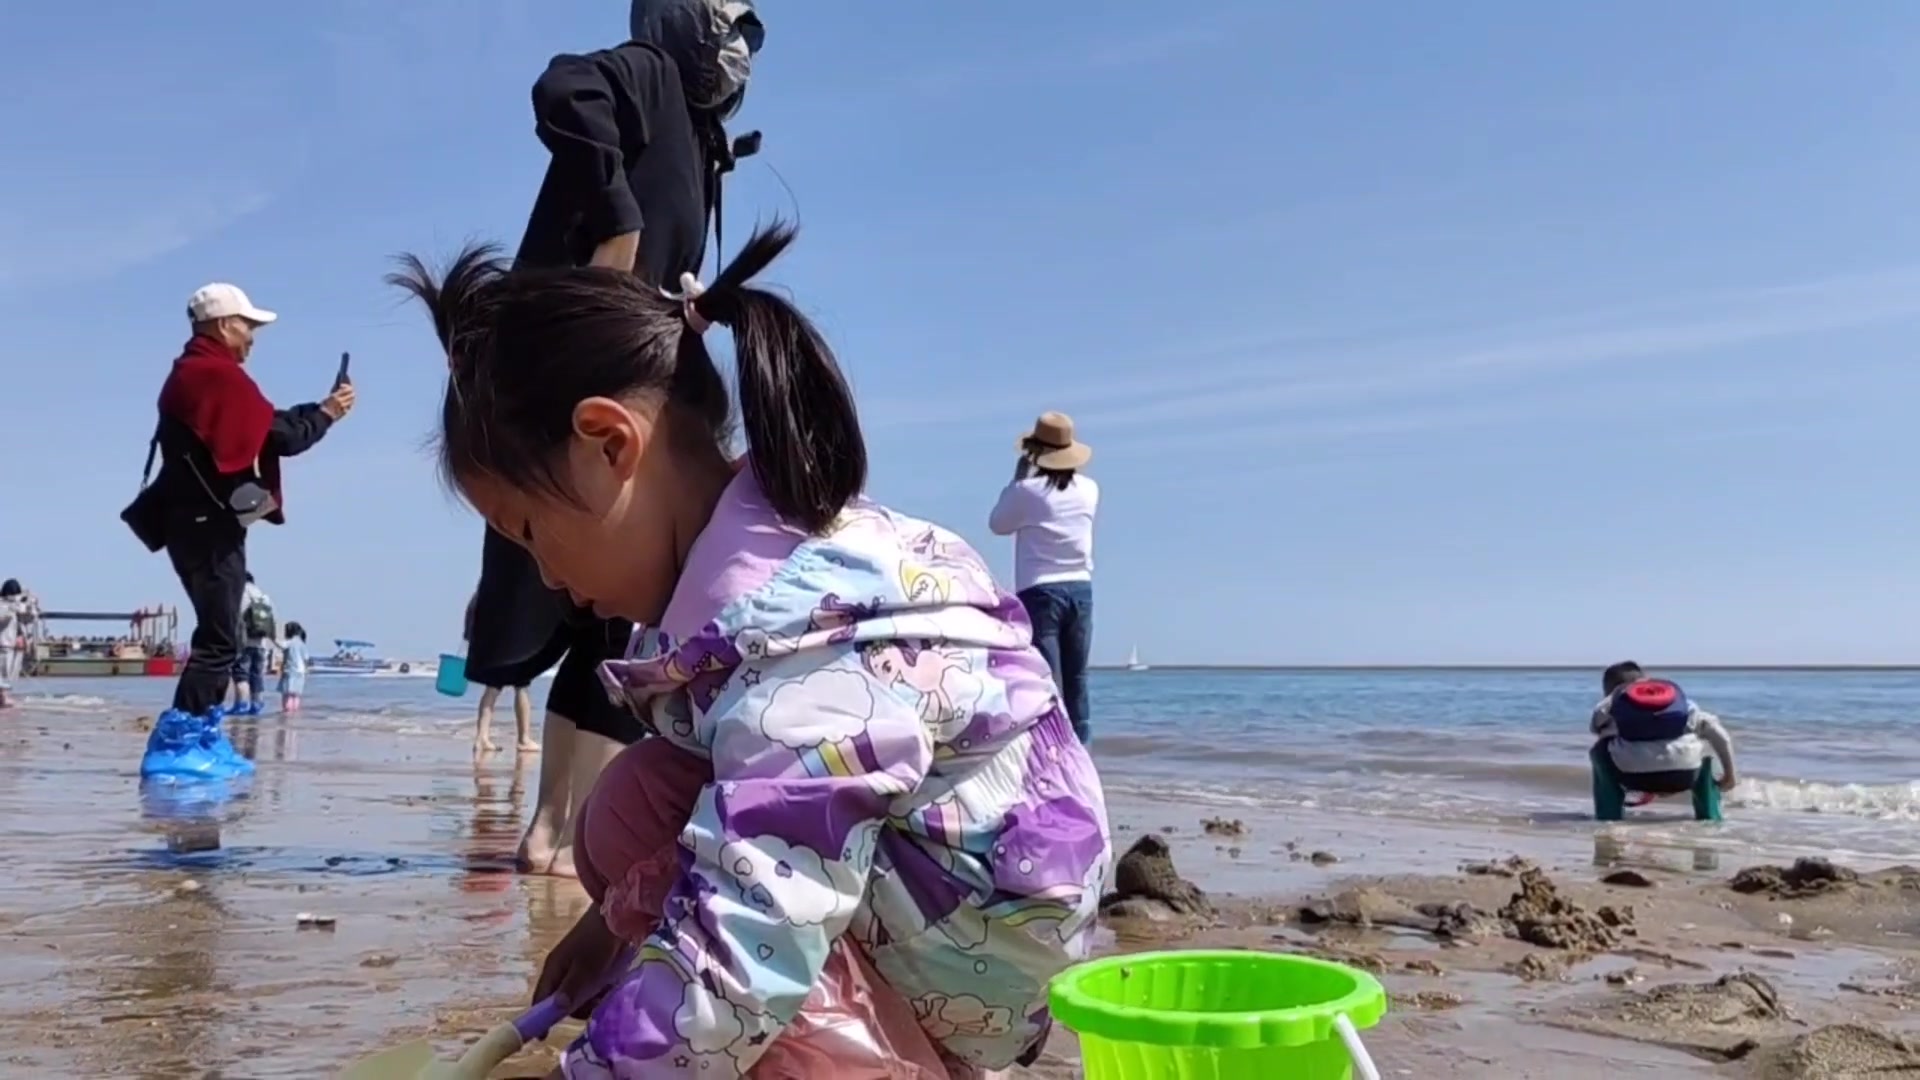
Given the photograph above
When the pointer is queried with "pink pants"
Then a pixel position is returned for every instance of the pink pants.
(853, 1027)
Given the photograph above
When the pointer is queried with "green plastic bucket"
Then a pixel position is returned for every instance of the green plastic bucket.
(1219, 1016)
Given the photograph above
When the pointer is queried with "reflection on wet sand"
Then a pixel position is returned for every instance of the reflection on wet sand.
(1611, 849)
(155, 935)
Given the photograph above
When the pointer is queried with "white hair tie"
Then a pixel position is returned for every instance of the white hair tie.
(690, 290)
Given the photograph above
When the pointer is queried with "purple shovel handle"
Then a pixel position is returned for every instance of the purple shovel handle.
(534, 1024)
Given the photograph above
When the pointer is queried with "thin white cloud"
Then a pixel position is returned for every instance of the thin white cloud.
(1764, 314)
(1068, 56)
(1318, 429)
(65, 248)
(1259, 377)
(1704, 408)
(1151, 48)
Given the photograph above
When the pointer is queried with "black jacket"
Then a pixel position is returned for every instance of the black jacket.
(625, 154)
(293, 433)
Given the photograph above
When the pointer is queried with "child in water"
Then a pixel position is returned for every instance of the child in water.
(1652, 741)
(293, 668)
(893, 780)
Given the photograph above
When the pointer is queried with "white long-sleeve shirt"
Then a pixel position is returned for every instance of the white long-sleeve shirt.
(1052, 529)
(1684, 753)
(15, 613)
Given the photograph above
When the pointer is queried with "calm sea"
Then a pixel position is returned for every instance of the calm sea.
(1828, 758)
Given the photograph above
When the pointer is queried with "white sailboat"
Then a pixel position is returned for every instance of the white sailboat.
(1133, 660)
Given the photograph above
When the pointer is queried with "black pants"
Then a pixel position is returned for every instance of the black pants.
(577, 693)
(521, 628)
(580, 644)
(210, 555)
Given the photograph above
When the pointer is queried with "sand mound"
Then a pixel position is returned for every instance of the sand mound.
(1536, 914)
(1370, 907)
(1146, 886)
(1806, 877)
(1727, 1001)
(1539, 915)
(1837, 1052)
(1721, 1020)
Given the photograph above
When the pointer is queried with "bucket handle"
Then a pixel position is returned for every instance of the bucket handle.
(1362, 1061)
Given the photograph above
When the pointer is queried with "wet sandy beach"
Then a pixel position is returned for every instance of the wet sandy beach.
(119, 955)
(124, 951)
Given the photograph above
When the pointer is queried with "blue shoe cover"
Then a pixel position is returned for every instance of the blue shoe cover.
(222, 747)
(188, 747)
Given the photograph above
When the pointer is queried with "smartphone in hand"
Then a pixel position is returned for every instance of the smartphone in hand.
(341, 378)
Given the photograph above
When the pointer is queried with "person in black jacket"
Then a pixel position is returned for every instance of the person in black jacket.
(220, 442)
(636, 148)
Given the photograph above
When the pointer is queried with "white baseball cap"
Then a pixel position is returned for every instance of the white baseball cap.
(220, 300)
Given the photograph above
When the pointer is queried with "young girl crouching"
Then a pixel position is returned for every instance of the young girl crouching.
(894, 782)
(853, 1026)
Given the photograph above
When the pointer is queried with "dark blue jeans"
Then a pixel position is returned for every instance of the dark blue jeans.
(250, 667)
(1062, 617)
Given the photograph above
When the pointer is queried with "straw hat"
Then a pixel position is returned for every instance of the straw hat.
(1052, 445)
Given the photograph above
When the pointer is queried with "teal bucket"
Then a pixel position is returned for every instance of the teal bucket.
(451, 679)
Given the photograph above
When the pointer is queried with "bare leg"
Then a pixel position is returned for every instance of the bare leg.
(547, 847)
(523, 721)
(592, 753)
(483, 722)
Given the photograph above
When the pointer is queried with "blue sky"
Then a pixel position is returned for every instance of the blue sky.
(1489, 331)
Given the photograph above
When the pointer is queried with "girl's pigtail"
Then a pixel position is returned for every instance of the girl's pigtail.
(455, 299)
(803, 433)
(459, 300)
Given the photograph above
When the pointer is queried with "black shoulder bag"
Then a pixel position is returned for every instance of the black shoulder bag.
(146, 515)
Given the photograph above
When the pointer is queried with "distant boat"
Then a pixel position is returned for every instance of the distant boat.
(146, 647)
(1133, 660)
(353, 657)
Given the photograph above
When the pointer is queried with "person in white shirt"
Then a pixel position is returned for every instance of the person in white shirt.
(18, 611)
(1049, 509)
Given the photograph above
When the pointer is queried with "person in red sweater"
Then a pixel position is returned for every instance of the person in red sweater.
(219, 442)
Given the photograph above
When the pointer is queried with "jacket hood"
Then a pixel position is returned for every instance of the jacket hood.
(712, 42)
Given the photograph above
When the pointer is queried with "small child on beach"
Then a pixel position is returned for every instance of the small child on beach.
(1652, 740)
(17, 612)
(294, 659)
(895, 788)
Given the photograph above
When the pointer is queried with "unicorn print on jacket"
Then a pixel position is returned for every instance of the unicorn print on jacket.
(897, 768)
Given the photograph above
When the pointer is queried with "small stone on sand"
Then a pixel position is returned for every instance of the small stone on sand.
(1429, 1000)
(1509, 867)
(1632, 879)
(1223, 827)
